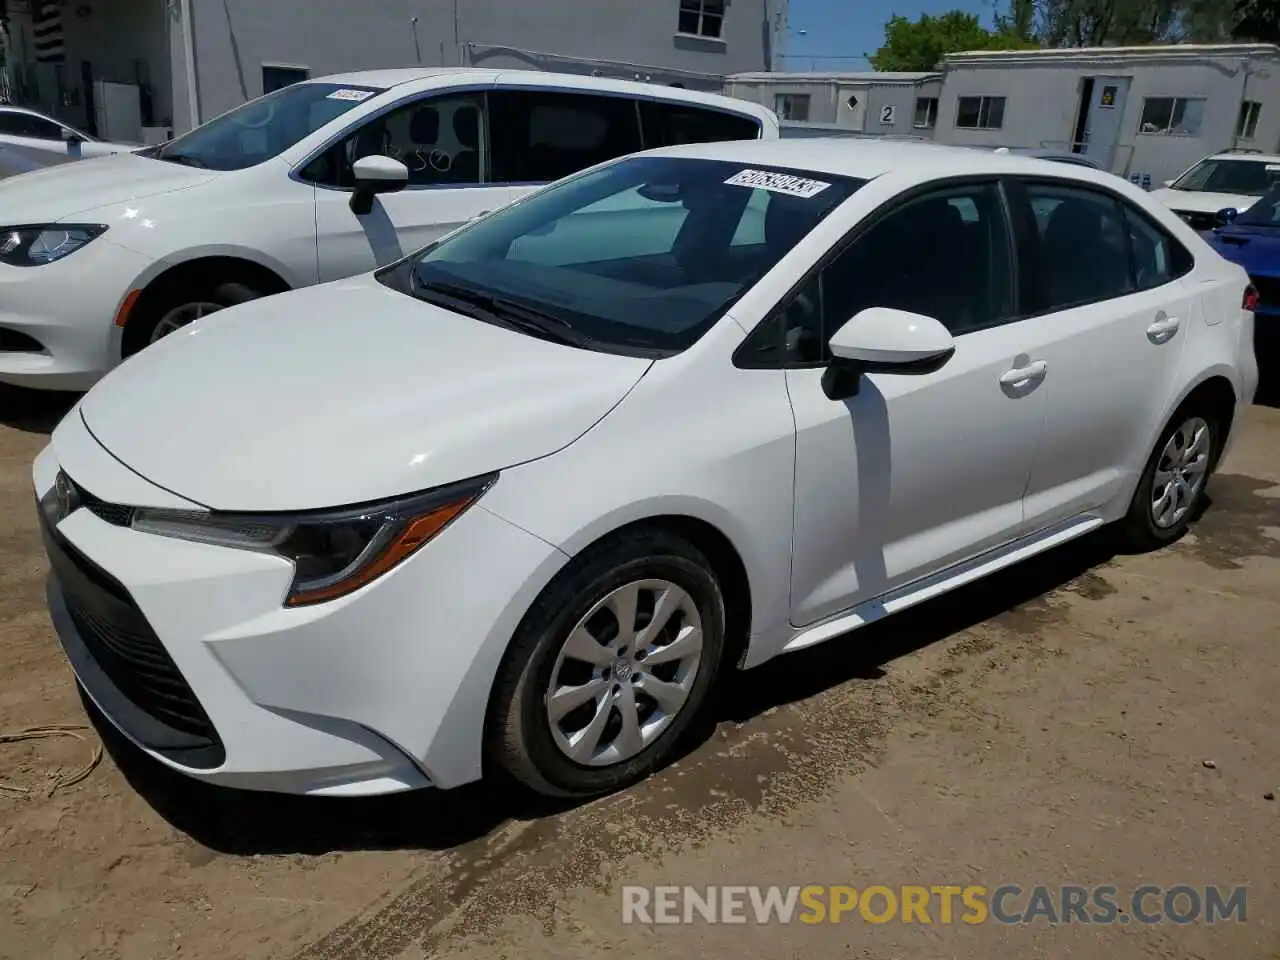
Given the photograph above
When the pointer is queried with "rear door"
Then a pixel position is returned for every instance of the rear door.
(1107, 317)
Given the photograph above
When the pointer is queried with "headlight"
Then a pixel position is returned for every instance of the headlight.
(334, 552)
(36, 245)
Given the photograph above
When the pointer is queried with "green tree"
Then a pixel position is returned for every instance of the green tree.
(1256, 20)
(1109, 23)
(914, 45)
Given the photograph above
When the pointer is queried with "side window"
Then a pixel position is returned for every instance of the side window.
(11, 124)
(1156, 257)
(438, 139)
(277, 78)
(944, 254)
(1080, 252)
(667, 124)
(539, 136)
(44, 129)
(25, 125)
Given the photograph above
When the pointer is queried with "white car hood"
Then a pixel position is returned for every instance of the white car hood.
(64, 190)
(1197, 202)
(343, 394)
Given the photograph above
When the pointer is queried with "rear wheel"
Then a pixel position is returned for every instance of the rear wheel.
(610, 667)
(167, 311)
(1173, 483)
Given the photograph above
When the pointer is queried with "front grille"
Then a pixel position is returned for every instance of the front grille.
(1198, 220)
(130, 655)
(112, 513)
(12, 341)
(1268, 290)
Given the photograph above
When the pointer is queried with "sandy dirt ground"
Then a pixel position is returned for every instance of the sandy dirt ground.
(1048, 726)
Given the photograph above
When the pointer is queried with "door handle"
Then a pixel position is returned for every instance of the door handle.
(1163, 330)
(1020, 378)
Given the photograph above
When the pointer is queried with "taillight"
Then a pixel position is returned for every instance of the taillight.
(1251, 298)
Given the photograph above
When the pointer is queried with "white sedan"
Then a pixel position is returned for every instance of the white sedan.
(314, 182)
(522, 498)
(30, 140)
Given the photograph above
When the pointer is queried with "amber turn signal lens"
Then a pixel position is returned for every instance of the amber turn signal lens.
(412, 536)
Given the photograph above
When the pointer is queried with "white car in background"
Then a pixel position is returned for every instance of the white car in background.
(1219, 182)
(314, 182)
(30, 140)
(522, 497)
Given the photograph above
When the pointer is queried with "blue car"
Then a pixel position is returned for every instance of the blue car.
(1252, 239)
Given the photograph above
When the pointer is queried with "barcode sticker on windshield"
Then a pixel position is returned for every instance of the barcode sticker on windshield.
(778, 183)
(355, 95)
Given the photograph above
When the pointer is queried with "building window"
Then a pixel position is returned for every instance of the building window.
(980, 113)
(702, 18)
(791, 106)
(277, 78)
(926, 113)
(1247, 124)
(1172, 116)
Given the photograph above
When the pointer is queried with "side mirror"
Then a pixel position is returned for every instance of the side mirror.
(376, 175)
(1226, 215)
(70, 136)
(884, 340)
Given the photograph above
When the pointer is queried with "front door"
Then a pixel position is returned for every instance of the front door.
(439, 138)
(1110, 324)
(915, 472)
(1102, 124)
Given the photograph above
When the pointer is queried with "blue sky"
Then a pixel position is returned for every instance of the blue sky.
(838, 32)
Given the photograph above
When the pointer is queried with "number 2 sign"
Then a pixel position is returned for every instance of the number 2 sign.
(888, 114)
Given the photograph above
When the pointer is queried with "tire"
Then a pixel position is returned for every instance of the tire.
(540, 751)
(1146, 527)
(159, 311)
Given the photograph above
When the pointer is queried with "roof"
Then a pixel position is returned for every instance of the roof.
(872, 76)
(1240, 155)
(1180, 51)
(395, 77)
(867, 159)
(540, 78)
(14, 108)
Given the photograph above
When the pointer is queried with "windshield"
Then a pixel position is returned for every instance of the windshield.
(1251, 178)
(1264, 213)
(641, 256)
(263, 128)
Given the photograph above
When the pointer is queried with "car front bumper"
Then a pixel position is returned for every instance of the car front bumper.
(68, 309)
(188, 650)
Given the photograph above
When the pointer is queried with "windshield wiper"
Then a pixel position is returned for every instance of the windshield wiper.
(530, 320)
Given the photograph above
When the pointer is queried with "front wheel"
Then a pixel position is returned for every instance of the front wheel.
(170, 310)
(609, 667)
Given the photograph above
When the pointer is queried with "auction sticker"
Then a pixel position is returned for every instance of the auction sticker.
(354, 95)
(792, 186)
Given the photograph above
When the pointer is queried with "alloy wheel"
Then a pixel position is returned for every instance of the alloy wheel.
(179, 317)
(624, 673)
(1180, 473)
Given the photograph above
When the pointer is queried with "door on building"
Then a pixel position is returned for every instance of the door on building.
(851, 107)
(1102, 101)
